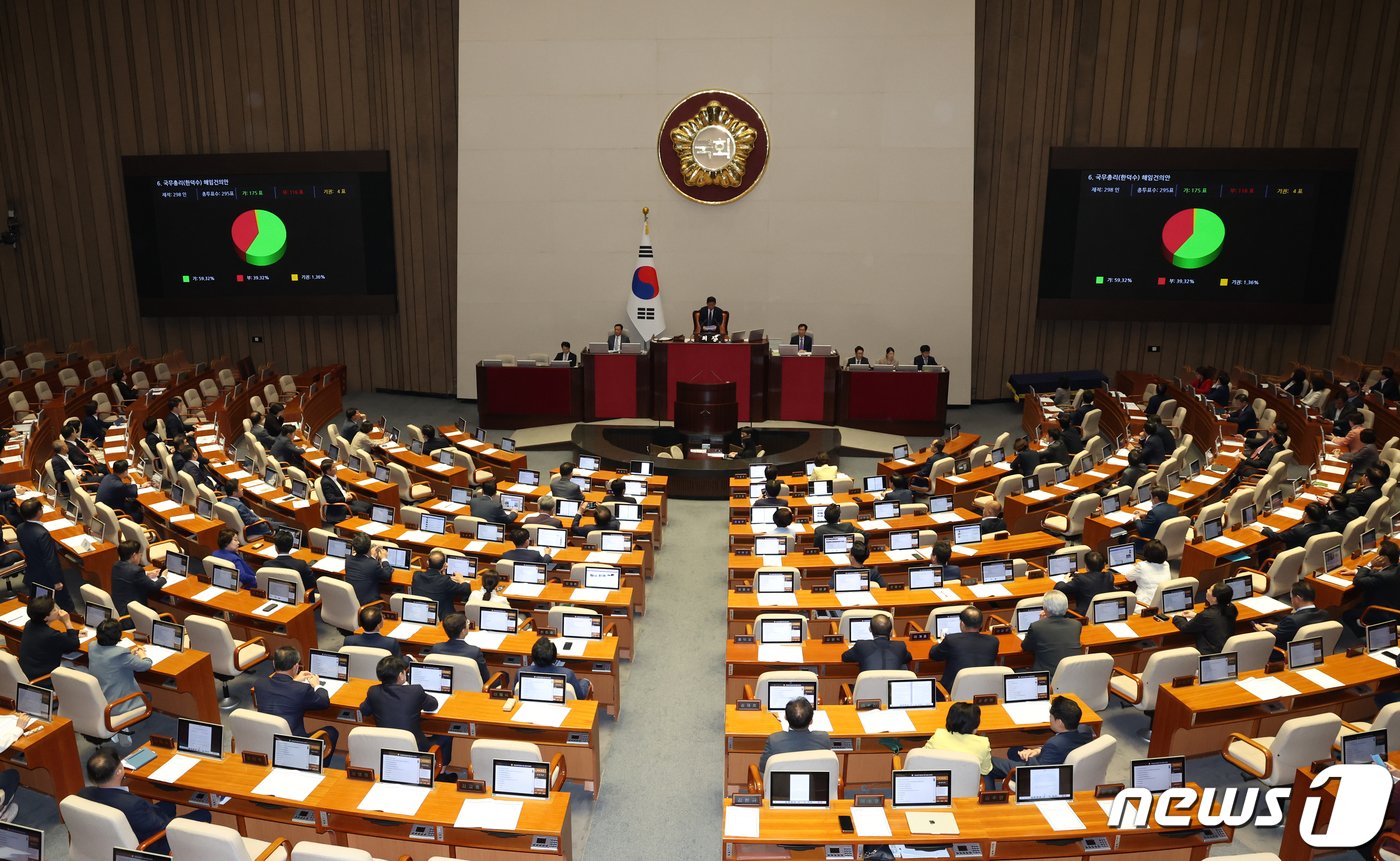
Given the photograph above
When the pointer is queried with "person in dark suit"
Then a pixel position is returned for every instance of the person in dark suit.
(1350, 401)
(799, 734)
(1219, 392)
(967, 647)
(935, 454)
(286, 451)
(488, 507)
(545, 515)
(1297, 383)
(334, 496)
(802, 341)
(602, 520)
(283, 541)
(771, 498)
(1339, 512)
(174, 422)
(1380, 587)
(992, 521)
(858, 358)
(899, 491)
(879, 652)
(123, 387)
(925, 358)
(196, 466)
(254, 527)
(371, 620)
(291, 691)
(1086, 406)
(1243, 417)
(1257, 463)
(93, 428)
(62, 464)
(1154, 403)
(432, 440)
(1368, 487)
(79, 453)
(132, 583)
(1386, 386)
(544, 658)
(1065, 715)
(617, 339)
(40, 551)
(833, 524)
(366, 568)
(566, 354)
(1070, 436)
(274, 418)
(1054, 636)
(561, 487)
(1084, 586)
(1027, 458)
(617, 492)
(1151, 520)
(41, 646)
(259, 432)
(1056, 451)
(434, 582)
(1314, 516)
(942, 553)
(1214, 624)
(9, 506)
(105, 779)
(1365, 457)
(115, 491)
(711, 320)
(1304, 613)
(353, 419)
(454, 625)
(152, 438)
(521, 551)
(396, 704)
(1152, 451)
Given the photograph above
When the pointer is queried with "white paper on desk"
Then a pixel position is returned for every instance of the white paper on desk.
(821, 721)
(1263, 604)
(904, 461)
(921, 822)
(524, 590)
(239, 473)
(1333, 486)
(1121, 630)
(172, 579)
(989, 590)
(288, 783)
(1334, 470)
(396, 798)
(780, 653)
(1028, 713)
(486, 639)
(540, 714)
(1207, 480)
(855, 599)
(449, 507)
(1002, 465)
(943, 593)
(267, 552)
(174, 768)
(891, 720)
(179, 517)
(595, 596)
(1064, 485)
(1116, 461)
(79, 543)
(1290, 513)
(1267, 687)
(414, 536)
(267, 609)
(1311, 497)
(440, 467)
(954, 479)
(766, 599)
(475, 546)
(1039, 495)
(490, 813)
(741, 821)
(165, 505)
(209, 594)
(260, 486)
(330, 564)
(373, 528)
(1094, 473)
(1319, 678)
(946, 517)
(867, 525)
(86, 634)
(1229, 542)
(60, 523)
(439, 697)
(870, 822)
(839, 559)
(159, 653)
(332, 686)
(1179, 494)
(1335, 580)
(490, 450)
(1060, 816)
(1119, 516)
(571, 646)
(817, 501)
(404, 630)
(902, 555)
(608, 557)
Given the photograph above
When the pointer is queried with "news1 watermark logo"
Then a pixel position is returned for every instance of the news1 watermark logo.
(1362, 795)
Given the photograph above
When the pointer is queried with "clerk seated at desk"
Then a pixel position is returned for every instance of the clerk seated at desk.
(925, 358)
(771, 496)
(1304, 613)
(1065, 714)
(566, 354)
(798, 736)
(965, 648)
(859, 357)
(617, 339)
(371, 619)
(291, 691)
(711, 321)
(802, 341)
(106, 777)
(879, 652)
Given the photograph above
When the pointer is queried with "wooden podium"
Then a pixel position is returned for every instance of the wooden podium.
(710, 409)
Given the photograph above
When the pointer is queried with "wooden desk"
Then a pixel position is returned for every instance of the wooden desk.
(267, 498)
(1025, 512)
(521, 397)
(1293, 848)
(743, 535)
(907, 402)
(333, 807)
(958, 446)
(865, 760)
(47, 760)
(179, 522)
(802, 388)
(616, 385)
(286, 626)
(1196, 720)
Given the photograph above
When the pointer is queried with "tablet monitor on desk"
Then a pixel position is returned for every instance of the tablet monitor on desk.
(434, 678)
(329, 665)
(628, 512)
(225, 578)
(479, 434)
(300, 489)
(1305, 653)
(925, 576)
(821, 487)
(567, 507)
(904, 539)
(635, 488)
(998, 455)
(418, 611)
(460, 495)
(433, 524)
(507, 445)
(850, 580)
(940, 504)
(773, 582)
(874, 484)
(602, 577)
(465, 566)
(444, 457)
(543, 687)
(912, 694)
(886, 510)
(945, 624)
(1381, 636)
(409, 768)
(500, 621)
(918, 788)
(1027, 616)
(581, 626)
(1224, 667)
(809, 467)
(1001, 571)
(782, 693)
(547, 537)
(295, 752)
(1112, 503)
(770, 545)
(524, 572)
(1213, 528)
(1170, 481)
(799, 789)
(381, 514)
(168, 635)
(528, 476)
(899, 452)
(762, 515)
(1177, 599)
(590, 462)
(203, 507)
(364, 464)
(1030, 484)
(96, 614)
(414, 446)
(618, 542)
(1332, 558)
(27, 844)
(646, 467)
(337, 548)
(1241, 586)
(1159, 774)
(962, 466)
(1061, 474)
(398, 558)
(1025, 687)
(512, 502)
(199, 738)
(860, 629)
(1368, 539)
(780, 631)
(838, 542)
(34, 701)
(177, 563)
(520, 778)
(968, 533)
(177, 494)
(493, 532)
(1121, 555)
(1110, 610)
(1358, 748)
(1044, 783)
(381, 473)
(1062, 564)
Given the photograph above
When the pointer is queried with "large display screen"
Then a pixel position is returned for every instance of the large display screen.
(1209, 235)
(262, 233)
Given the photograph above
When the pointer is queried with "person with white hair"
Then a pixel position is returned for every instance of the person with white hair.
(1053, 636)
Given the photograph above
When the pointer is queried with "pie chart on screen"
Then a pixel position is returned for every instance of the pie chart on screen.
(1193, 238)
(260, 237)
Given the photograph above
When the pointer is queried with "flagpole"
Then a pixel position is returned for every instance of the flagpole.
(646, 225)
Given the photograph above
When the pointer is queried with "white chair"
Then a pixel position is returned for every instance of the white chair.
(366, 743)
(231, 657)
(1314, 549)
(875, 684)
(1091, 762)
(93, 595)
(1172, 534)
(978, 681)
(760, 690)
(843, 627)
(1284, 571)
(1388, 719)
(485, 751)
(1330, 632)
(1140, 692)
(80, 699)
(11, 675)
(1071, 525)
(1252, 650)
(95, 829)
(308, 851)
(793, 617)
(408, 491)
(466, 675)
(801, 761)
(201, 841)
(340, 606)
(253, 731)
(1173, 583)
(1085, 676)
(966, 768)
(363, 661)
(1275, 760)
(1006, 486)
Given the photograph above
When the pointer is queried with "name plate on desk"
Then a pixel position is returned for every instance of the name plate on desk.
(570, 584)
(820, 590)
(1356, 651)
(998, 630)
(830, 639)
(984, 700)
(743, 590)
(1108, 790)
(547, 632)
(357, 773)
(164, 742)
(920, 636)
(251, 757)
(812, 551)
(865, 705)
(993, 796)
(500, 693)
(869, 799)
(1183, 681)
(743, 639)
(749, 705)
(895, 587)
(1274, 667)
(747, 799)
(477, 786)
(742, 551)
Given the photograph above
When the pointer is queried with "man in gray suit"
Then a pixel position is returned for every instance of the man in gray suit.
(488, 507)
(562, 487)
(116, 666)
(798, 735)
(1054, 636)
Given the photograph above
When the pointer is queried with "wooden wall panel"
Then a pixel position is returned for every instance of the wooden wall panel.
(1258, 73)
(87, 81)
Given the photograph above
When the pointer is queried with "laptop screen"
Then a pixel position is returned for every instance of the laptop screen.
(337, 548)
(850, 580)
(1044, 783)
(799, 789)
(770, 545)
(1025, 617)
(1358, 749)
(773, 581)
(301, 754)
(641, 467)
(780, 631)
(1026, 687)
(886, 510)
(381, 472)
(1063, 564)
(434, 524)
(998, 572)
(410, 768)
(1247, 515)
(96, 614)
(512, 502)
(398, 557)
(542, 687)
(1110, 610)
(225, 578)
(381, 514)
(911, 694)
(904, 539)
(1224, 667)
(168, 635)
(590, 462)
(520, 778)
(925, 576)
(460, 495)
(1381, 636)
(916, 788)
(27, 844)
(940, 504)
(1305, 653)
(527, 572)
(1112, 503)
(419, 611)
(820, 488)
(585, 626)
(299, 488)
(1241, 587)
(969, 533)
(330, 665)
(499, 620)
(204, 508)
(495, 532)
(436, 678)
(1120, 555)
(547, 536)
(629, 512)
(1332, 558)
(873, 483)
(899, 452)
(198, 737)
(1177, 598)
(567, 507)
(860, 629)
(1159, 773)
(177, 494)
(636, 489)
(463, 566)
(782, 693)
(34, 701)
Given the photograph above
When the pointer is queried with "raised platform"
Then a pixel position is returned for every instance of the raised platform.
(696, 476)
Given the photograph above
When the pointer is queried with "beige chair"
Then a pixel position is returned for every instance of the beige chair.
(966, 768)
(252, 730)
(466, 674)
(796, 617)
(93, 595)
(340, 607)
(1284, 571)
(143, 618)
(1007, 486)
(408, 491)
(1173, 583)
(1172, 533)
(80, 699)
(1314, 549)
(1388, 719)
(1106, 597)
(268, 572)
(802, 760)
(760, 689)
(363, 661)
(9, 370)
(366, 743)
(231, 657)
(485, 751)
(308, 851)
(95, 829)
(201, 841)
(1085, 676)
(1330, 632)
(978, 681)
(1071, 525)
(875, 684)
(11, 675)
(843, 627)
(1140, 691)
(1275, 760)
(1252, 650)
(1091, 762)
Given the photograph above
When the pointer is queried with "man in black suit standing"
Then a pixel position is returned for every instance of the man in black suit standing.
(396, 704)
(711, 321)
(1084, 585)
(802, 341)
(105, 778)
(115, 492)
(798, 736)
(617, 339)
(366, 568)
(1054, 636)
(879, 652)
(965, 648)
(40, 554)
(858, 358)
(1304, 613)
(566, 354)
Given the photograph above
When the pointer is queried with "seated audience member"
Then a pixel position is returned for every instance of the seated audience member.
(1256, 463)
(617, 492)
(1162, 510)
(1153, 447)
(833, 524)
(782, 523)
(41, 646)
(1339, 512)
(1070, 436)
(1348, 432)
(545, 515)
(602, 520)
(798, 736)
(446, 589)
(371, 620)
(964, 648)
(935, 454)
(1364, 457)
(367, 568)
(338, 504)
(1379, 584)
(1297, 384)
(1084, 586)
(131, 582)
(1387, 386)
(285, 450)
(1065, 715)
(1219, 392)
(1202, 379)
(1054, 636)
(824, 470)
(1086, 406)
(283, 540)
(116, 491)
(106, 785)
(771, 496)
(228, 551)
(899, 491)
(1214, 624)
(291, 691)
(93, 429)
(1027, 458)
(454, 626)
(942, 553)
(1134, 470)
(351, 426)
(1313, 523)
(991, 518)
(560, 487)
(259, 432)
(254, 527)
(544, 658)
(959, 733)
(1064, 393)
(520, 548)
(433, 441)
(859, 357)
(1150, 571)
(1368, 487)
(396, 704)
(1304, 613)
(115, 667)
(879, 652)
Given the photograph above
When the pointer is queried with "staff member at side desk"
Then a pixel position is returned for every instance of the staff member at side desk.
(798, 736)
(1054, 636)
(802, 341)
(1084, 586)
(617, 339)
(965, 648)
(925, 358)
(890, 357)
(1304, 613)
(291, 691)
(566, 354)
(879, 652)
(1213, 625)
(858, 358)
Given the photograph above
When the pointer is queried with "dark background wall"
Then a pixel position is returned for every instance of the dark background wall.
(86, 82)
